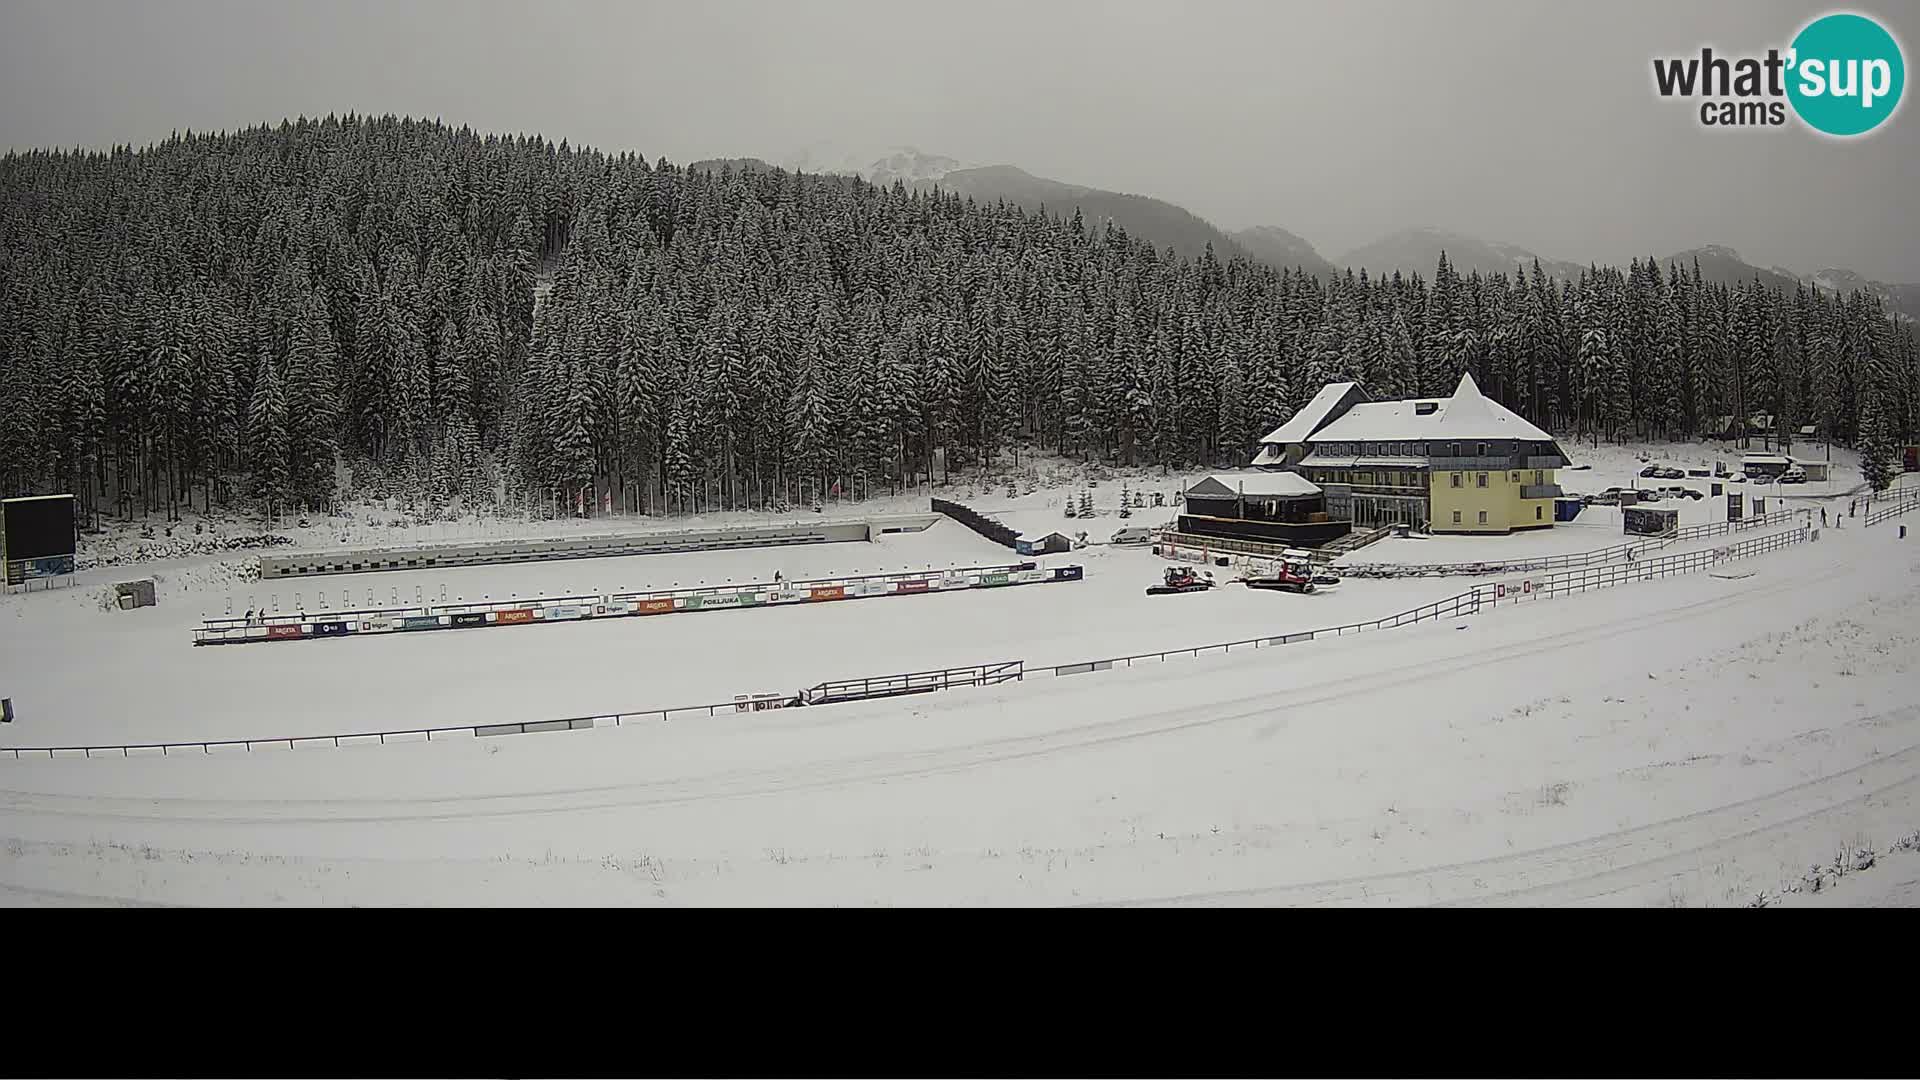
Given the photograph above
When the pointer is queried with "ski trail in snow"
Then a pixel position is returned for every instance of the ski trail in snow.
(862, 769)
(1745, 827)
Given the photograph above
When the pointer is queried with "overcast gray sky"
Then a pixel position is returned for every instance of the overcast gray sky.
(1532, 121)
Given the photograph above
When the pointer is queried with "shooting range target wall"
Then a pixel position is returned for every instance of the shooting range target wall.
(534, 611)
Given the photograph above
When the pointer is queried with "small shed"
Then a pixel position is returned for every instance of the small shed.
(1649, 520)
(133, 594)
(1042, 543)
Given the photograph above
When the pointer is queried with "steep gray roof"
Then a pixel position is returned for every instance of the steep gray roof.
(1468, 414)
(1310, 416)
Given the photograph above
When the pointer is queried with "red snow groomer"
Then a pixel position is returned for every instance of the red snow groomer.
(1292, 573)
(1181, 579)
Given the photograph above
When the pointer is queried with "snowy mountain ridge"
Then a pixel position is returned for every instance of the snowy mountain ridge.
(1417, 250)
(908, 164)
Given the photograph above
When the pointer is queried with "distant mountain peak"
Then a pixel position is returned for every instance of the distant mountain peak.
(1417, 249)
(908, 164)
(1276, 246)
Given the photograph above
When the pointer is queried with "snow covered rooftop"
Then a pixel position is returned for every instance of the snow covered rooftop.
(1265, 485)
(1468, 414)
(1311, 416)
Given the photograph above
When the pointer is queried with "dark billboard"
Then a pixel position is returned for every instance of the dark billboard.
(38, 528)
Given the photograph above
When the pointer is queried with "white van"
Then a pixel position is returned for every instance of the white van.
(1134, 534)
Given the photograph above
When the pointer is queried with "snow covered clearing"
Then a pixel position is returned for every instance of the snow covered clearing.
(1692, 741)
(133, 676)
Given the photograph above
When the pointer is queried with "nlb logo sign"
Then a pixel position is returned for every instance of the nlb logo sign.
(1842, 75)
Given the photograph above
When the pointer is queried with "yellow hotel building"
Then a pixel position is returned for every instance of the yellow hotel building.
(1460, 464)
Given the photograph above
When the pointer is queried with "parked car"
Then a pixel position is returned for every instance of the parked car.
(1650, 471)
(1761, 480)
(1671, 473)
(1737, 478)
(1795, 475)
(1677, 492)
(1133, 534)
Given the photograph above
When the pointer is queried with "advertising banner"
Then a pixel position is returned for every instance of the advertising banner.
(20, 571)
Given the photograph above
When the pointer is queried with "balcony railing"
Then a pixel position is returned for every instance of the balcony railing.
(1503, 463)
(1540, 491)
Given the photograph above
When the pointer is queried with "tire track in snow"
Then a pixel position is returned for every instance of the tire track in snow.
(1893, 776)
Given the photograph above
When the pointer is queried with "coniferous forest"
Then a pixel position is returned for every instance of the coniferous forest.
(227, 320)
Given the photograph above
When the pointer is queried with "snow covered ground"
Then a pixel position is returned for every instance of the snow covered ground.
(1696, 740)
(83, 676)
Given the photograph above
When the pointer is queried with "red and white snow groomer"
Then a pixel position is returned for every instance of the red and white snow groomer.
(1292, 572)
(1181, 579)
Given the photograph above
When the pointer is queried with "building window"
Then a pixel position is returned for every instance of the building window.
(1516, 478)
(1536, 513)
(1483, 450)
(1482, 480)
(1456, 517)
(1456, 479)
(1536, 476)
(1483, 517)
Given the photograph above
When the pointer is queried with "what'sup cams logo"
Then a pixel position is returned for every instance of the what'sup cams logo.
(1842, 75)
